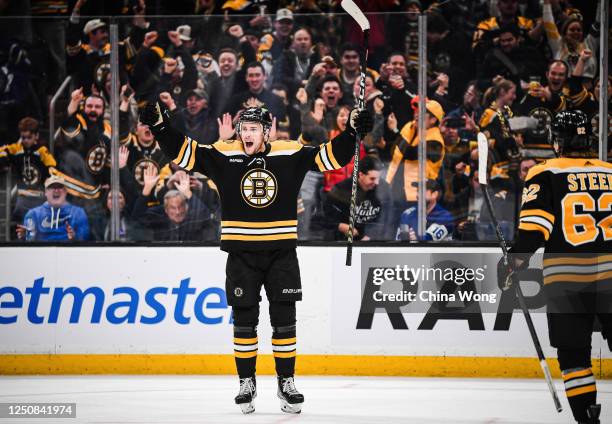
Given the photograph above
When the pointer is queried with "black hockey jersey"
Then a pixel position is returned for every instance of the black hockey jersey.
(258, 193)
(32, 164)
(569, 201)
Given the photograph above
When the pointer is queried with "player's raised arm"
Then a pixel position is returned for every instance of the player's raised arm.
(339, 151)
(186, 152)
(170, 139)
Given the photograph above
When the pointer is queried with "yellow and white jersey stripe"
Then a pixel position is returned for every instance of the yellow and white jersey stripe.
(537, 220)
(325, 159)
(577, 268)
(259, 231)
(187, 155)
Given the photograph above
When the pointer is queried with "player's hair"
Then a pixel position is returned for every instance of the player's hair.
(28, 124)
(369, 163)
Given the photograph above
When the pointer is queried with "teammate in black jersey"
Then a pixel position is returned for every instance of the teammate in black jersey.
(567, 207)
(259, 181)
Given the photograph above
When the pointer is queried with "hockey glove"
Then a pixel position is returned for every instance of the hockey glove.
(151, 115)
(361, 121)
(508, 274)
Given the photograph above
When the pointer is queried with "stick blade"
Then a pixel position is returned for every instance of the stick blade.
(483, 157)
(356, 13)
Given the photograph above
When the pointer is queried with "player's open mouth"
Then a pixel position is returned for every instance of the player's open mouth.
(248, 144)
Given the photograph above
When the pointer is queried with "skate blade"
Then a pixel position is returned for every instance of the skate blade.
(247, 408)
(291, 408)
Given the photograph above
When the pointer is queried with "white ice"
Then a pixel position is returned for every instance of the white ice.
(337, 400)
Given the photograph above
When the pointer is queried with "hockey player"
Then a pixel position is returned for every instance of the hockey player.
(258, 182)
(566, 207)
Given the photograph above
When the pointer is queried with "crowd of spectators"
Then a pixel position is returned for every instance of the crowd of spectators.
(502, 67)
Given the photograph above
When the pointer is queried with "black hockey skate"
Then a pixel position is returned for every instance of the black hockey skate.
(247, 394)
(291, 399)
(593, 414)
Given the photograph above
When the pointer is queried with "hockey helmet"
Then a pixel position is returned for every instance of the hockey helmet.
(571, 131)
(260, 115)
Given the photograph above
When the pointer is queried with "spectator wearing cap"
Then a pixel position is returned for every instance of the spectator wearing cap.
(184, 34)
(85, 59)
(274, 44)
(439, 224)
(196, 119)
(56, 219)
(404, 167)
(180, 74)
(31, 162)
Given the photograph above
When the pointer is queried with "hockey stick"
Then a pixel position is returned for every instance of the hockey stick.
(352, 9)
(483, 151)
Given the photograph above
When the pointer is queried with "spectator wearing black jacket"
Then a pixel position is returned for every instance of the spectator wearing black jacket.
(511, 60)
(196, 119)
(295, 65)
(257, 94)
(182, 217)
(373, 205)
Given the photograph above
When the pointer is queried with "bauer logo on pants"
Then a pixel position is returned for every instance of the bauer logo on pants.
(259, 188)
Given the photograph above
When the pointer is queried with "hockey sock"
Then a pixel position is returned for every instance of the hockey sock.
(282, 315)
(580, 390)
(245, 340)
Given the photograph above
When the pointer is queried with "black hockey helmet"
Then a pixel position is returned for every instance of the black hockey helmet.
(260, 115)
(571, 131)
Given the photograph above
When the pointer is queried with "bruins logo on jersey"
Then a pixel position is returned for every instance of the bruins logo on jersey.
(259, 188)
(544, 118)
(96, 159)
(140, 167)
(31, 175)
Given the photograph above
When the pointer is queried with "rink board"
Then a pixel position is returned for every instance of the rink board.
(139, 310)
